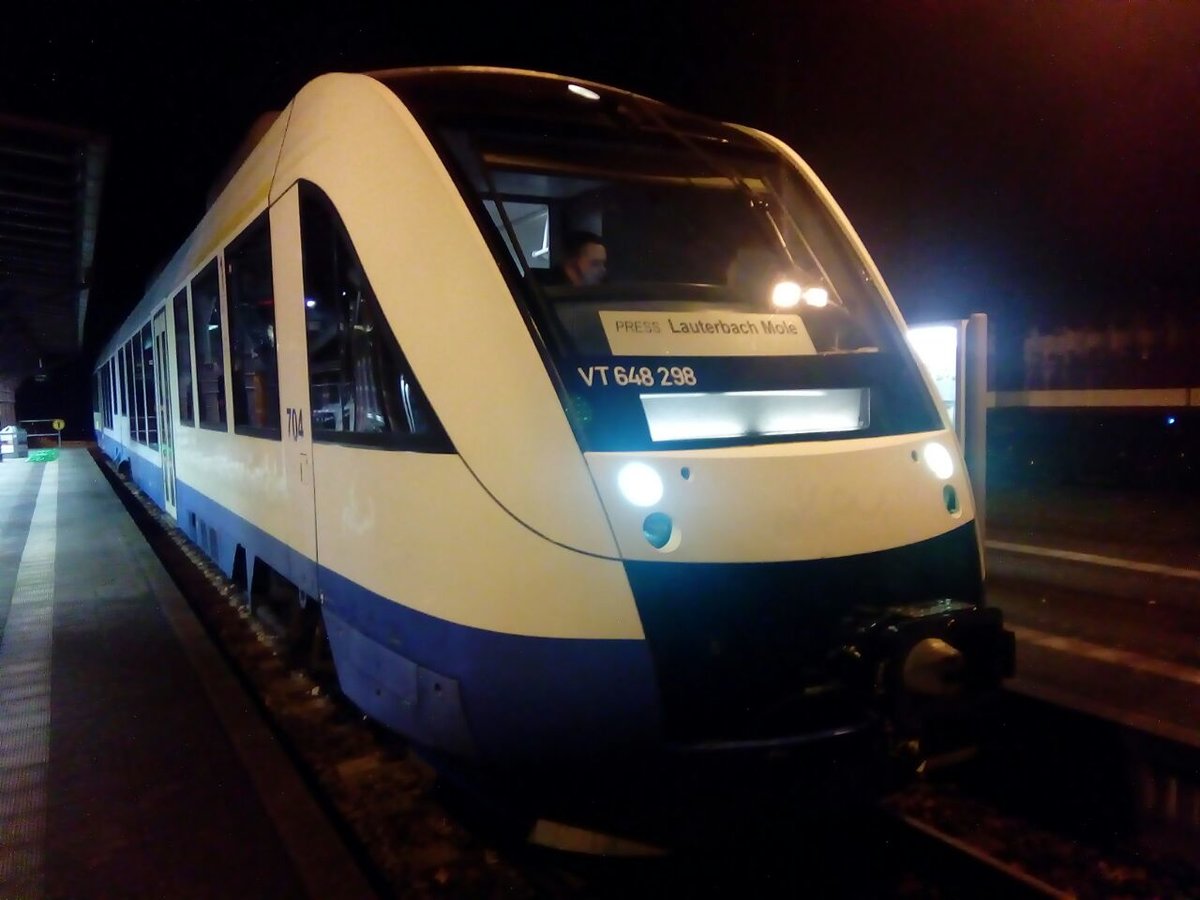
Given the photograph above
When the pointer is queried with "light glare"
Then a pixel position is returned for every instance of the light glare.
(816, 296)
(785, 294)
(581, 91)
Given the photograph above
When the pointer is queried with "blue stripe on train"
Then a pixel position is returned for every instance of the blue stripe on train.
(523, 697)
(146, 474)
(500, 698)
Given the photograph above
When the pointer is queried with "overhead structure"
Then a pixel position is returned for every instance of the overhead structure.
(50, 181)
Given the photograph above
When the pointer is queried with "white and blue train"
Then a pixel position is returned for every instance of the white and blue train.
(709, 502)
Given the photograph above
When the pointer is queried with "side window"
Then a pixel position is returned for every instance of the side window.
(114, 391)
(150, 386)
(251, 301)
(362, 390)
(210, 351)
(97, 390)
(106, 398)
(127, 387)
(133, 353)
(183, 357)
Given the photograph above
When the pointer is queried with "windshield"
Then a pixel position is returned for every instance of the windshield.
(688, 286)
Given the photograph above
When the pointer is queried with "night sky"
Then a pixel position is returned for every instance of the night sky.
(1036, 161)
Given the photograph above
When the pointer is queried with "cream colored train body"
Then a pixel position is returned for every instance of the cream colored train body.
(708, 503)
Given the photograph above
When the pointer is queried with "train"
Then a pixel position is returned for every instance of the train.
(706, 504)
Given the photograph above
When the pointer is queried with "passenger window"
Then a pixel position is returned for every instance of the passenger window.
(183, 358)
(210, 352)
(138, 388)
(362, 390)
(150, 387)
(114, 394)
(126, 393)
(251, 300)
(106, 395)
(112, 398)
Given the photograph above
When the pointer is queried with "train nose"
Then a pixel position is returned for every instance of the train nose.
(933, 668)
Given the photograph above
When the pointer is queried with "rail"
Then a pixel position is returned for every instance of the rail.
(956, 860)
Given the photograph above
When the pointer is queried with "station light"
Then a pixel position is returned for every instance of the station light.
(937, 347)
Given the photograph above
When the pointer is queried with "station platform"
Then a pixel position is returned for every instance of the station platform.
(132, 762)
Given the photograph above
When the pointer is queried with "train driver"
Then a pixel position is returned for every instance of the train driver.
(584, 262)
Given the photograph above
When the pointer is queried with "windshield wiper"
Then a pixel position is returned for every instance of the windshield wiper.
(722, 169)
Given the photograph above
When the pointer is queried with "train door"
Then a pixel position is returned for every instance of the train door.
(164, 412)
(292, 343)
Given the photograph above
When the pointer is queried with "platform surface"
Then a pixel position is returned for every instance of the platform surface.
(132, 764)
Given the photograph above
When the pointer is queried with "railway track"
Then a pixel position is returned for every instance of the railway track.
(958, 863)
(415, 838)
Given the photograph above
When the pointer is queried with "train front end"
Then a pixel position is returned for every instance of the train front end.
(788, 502)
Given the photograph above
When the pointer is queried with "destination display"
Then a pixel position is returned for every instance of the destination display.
(705, 333)
(708, 416)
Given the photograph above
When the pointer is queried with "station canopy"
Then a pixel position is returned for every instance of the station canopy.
(50, 180)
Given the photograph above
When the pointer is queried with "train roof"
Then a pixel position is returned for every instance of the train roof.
(428, 74)
(450, 92)
(483, 93)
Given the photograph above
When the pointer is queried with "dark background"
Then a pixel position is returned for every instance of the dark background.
(1039, 162)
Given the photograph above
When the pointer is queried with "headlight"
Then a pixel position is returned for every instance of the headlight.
(640, 484)
(939, 460)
